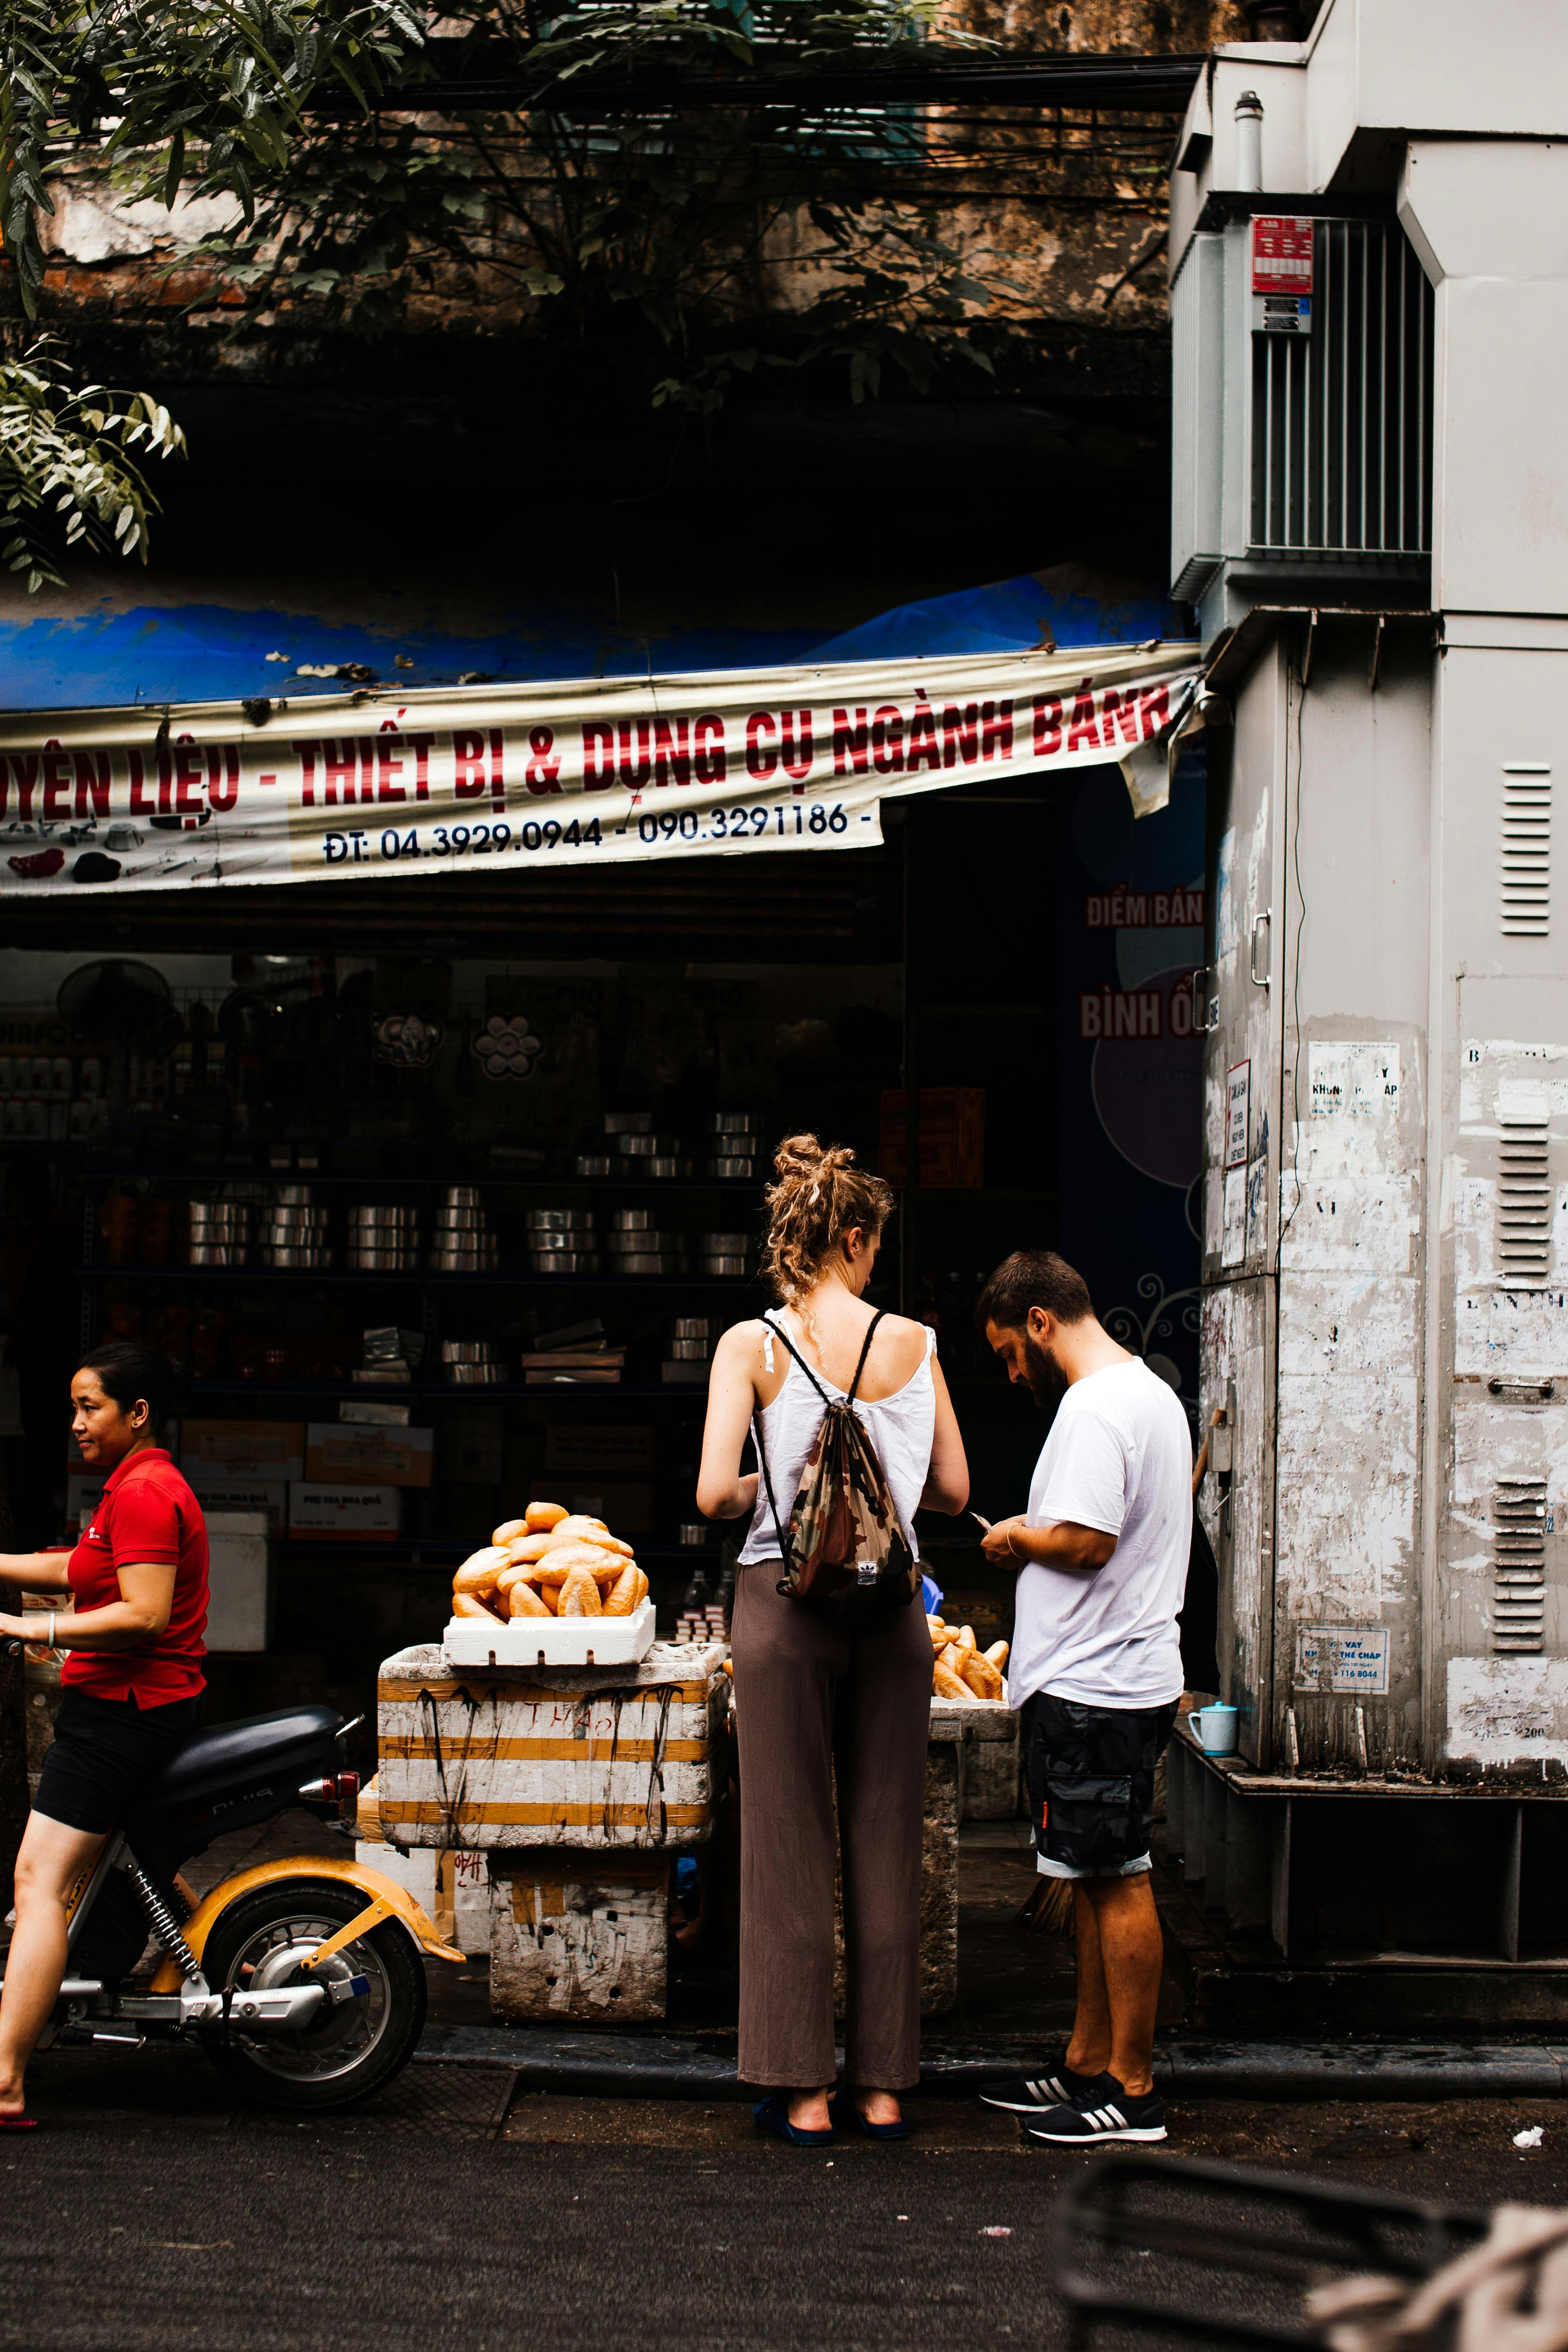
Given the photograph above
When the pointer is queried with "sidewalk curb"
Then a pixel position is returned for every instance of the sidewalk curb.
(626, 2066)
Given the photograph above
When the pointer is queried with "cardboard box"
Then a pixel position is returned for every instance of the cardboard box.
(951, 1143)
(625, 1505)
(270, 1496)
(214, 1452)
(351, 1453)
(358, 1513)
(594, 1450)
(239, 1586)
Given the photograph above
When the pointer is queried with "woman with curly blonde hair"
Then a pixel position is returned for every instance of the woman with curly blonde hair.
(825, 1707)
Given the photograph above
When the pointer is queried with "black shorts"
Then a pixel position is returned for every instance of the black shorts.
(105, 1751)
(1089, 1772)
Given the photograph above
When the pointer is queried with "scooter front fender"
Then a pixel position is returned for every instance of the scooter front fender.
(394, 1901)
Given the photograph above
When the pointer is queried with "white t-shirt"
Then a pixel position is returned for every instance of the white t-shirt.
(1119, 1458)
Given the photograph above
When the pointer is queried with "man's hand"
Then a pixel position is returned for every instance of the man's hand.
(1000, 1542)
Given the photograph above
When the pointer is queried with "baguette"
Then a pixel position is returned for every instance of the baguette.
(465, 1604)
(530, 1547)
(626, 1593)
(947, 1685)
(540, 1516)
(508, 1528)
(998, 1655)
(981, 1675)
(579, 1596)
(525, 1602)
(593, 1531)
(965, 1639)
(563, 1560)
(479, 1570)
(547, 1593)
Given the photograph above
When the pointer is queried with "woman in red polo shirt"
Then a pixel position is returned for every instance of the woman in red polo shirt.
(133, 1608)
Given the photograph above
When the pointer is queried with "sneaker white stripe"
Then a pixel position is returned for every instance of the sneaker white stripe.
(1117, 2116)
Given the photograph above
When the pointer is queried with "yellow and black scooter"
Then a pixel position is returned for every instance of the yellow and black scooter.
(303, 1980)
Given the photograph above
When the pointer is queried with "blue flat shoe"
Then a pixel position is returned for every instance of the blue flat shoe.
(773, 2115)
(841, 2106)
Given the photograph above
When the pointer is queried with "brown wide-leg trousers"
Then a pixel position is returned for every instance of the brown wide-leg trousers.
(815, 1704)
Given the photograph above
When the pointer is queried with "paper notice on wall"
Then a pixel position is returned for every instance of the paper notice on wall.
(1238, 1092)
(1342, 1658)
(1352, 1080)
(1234, 1242)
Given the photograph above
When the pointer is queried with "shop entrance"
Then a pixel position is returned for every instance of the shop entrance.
(326, 1144)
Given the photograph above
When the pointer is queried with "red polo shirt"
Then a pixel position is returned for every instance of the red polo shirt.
(147, 1514)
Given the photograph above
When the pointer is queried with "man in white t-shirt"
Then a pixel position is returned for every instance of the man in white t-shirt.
(1096, 1672)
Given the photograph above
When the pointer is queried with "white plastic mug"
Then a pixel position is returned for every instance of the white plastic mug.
(1215, 1728)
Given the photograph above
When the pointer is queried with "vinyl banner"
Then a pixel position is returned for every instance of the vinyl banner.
(731, 763)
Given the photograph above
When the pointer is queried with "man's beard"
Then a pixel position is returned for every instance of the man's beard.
(1048, 1382)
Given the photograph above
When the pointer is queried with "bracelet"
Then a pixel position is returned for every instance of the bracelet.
(51, 1628)
(1011, 1553)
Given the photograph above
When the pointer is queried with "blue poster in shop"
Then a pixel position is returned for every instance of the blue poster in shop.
(1129, 935)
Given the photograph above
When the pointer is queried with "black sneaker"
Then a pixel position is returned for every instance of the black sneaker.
(1022, 2097)
(1102, 2114)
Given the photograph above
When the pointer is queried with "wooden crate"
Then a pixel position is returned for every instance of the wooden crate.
(582, 1758)
(579, 1934)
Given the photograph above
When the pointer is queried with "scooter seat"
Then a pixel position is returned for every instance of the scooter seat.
(274, 1752)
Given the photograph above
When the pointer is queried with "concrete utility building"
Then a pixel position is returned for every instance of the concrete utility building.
(1369, 264)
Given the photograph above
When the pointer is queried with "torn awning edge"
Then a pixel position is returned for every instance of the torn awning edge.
(566, 772)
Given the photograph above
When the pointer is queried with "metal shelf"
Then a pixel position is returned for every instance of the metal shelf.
(732, 1283)
(204, 1179)
(268, 1390)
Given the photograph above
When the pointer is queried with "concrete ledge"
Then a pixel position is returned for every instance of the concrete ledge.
(668, 2066)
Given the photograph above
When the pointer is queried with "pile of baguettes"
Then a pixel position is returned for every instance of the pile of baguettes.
(549, 1564)
(959, 1668)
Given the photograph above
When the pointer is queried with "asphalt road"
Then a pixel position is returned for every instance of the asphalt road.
(147, 2212)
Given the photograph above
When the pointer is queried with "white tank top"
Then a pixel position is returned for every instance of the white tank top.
(902, 1428)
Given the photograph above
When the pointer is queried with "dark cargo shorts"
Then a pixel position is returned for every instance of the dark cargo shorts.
(1089, 1772)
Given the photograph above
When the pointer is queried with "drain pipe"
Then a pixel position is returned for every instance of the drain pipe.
(1249, 141)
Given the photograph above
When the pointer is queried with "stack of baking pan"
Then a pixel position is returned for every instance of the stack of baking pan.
(563, 1241)
(637, 1243)
(688, 1350)
(292, 1233)
(732, 1143)
(461, 1242)
(724, 1253)
(220, 1233)
(383, 1240)
(472, 1363)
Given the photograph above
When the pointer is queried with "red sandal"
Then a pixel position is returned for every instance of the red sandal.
(18, 2122)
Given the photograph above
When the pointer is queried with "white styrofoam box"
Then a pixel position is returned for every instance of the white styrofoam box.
(579, 1757)
(415, 1870)
(318, 1508)
(239, 1584)
(579, 1934)
(471, 1877)
(552, 1640)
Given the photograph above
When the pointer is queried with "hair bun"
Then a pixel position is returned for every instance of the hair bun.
(798, 1155)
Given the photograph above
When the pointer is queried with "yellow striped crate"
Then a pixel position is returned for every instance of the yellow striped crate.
(550, 1755)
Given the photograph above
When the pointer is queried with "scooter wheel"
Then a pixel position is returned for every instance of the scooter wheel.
(356, 2043)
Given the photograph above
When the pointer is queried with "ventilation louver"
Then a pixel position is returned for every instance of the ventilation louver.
(1519, 1564)
(1526, 853)
(1524, 1203)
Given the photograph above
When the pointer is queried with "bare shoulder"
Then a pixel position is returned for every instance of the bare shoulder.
(902, 1336)
(741, 1345)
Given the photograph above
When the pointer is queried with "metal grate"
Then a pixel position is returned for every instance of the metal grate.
(1519, 1564)
(1526, 852)
(1524, 1201)
(1342, 418)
